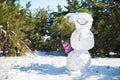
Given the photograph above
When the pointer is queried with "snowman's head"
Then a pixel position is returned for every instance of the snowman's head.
(82, 20)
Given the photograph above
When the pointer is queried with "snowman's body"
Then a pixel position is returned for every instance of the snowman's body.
(78, 60)
(82, 40)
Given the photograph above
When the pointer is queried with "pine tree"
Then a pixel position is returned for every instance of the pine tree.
(11, 43)
(105, 25)
(38, 29)
(72, 6)
(61, 30)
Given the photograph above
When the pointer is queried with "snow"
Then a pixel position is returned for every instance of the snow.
(49, 67)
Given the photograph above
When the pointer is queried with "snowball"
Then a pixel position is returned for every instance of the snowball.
(78, 60)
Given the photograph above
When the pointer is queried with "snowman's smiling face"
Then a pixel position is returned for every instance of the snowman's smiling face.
(81, 21)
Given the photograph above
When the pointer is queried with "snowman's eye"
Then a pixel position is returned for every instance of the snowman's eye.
(79, 18)
(83, 19)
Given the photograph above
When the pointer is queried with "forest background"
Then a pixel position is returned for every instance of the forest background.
(22, 30)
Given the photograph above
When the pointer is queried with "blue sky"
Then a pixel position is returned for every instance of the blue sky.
(44, 4)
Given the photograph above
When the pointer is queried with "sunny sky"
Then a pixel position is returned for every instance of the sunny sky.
(44, 4)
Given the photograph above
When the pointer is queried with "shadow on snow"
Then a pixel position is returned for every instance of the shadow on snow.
(42, 69)
(107, 72)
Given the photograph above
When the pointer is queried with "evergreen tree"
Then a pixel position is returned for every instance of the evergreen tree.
(61, 30)
(72, 6)
(11, 43)
(105, 25)
(38, 30)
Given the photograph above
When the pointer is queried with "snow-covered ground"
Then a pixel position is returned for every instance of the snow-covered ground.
(48, 67)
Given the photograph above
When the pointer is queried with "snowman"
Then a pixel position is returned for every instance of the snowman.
(81, 40)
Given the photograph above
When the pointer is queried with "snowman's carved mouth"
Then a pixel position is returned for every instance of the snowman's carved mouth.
(82, 23)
